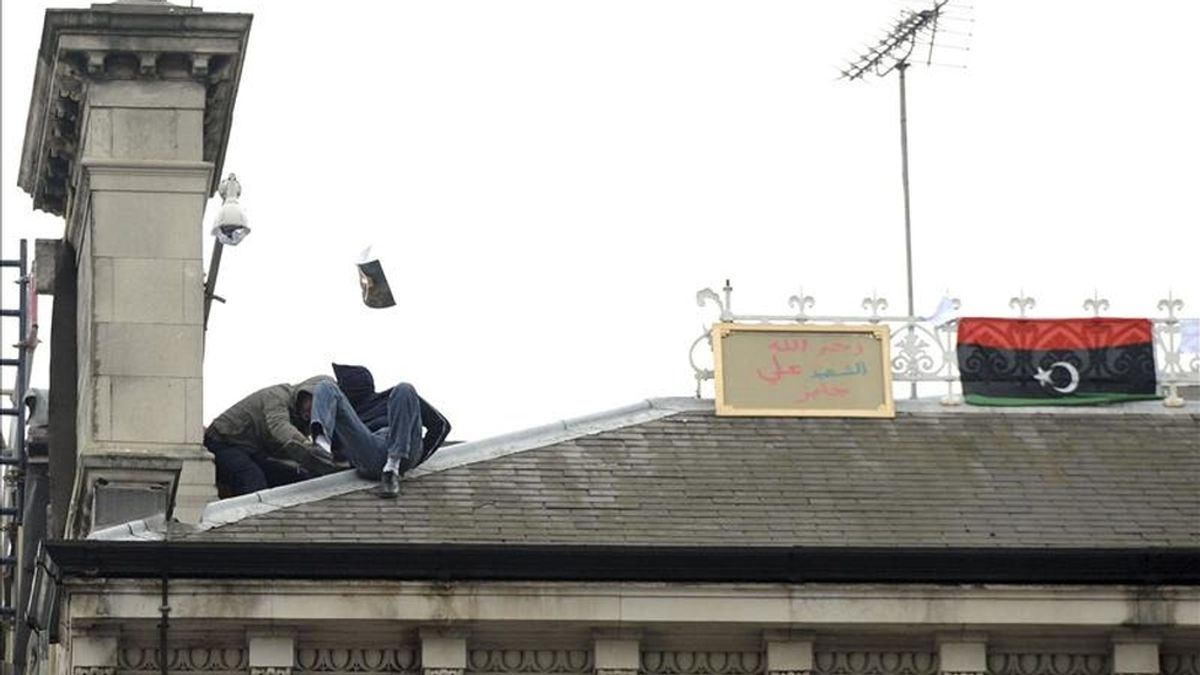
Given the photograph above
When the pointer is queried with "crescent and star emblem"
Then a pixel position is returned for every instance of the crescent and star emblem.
(1043, 376)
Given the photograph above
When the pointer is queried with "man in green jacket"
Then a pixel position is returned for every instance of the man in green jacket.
(262, 441)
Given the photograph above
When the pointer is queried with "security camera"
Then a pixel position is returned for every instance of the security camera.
(231, 224)
(230, 235)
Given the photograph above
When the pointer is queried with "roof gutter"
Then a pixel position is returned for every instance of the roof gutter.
(523, 562)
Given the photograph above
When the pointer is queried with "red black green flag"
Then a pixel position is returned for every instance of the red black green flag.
(1056, 361)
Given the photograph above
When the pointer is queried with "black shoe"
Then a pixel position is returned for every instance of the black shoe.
(389, 485)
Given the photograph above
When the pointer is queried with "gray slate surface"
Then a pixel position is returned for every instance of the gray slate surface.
(929, 479)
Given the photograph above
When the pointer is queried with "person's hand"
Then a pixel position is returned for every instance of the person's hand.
(322, 462)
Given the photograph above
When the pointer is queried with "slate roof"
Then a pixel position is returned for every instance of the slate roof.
(676, 474)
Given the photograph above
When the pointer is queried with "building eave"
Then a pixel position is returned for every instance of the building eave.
(524, 562)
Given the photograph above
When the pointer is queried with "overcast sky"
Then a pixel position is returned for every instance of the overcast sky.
(549, 182)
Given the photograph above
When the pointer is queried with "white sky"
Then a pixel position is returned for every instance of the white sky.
(549, 182)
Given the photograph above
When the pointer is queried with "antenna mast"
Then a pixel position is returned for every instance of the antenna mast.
(893, 53)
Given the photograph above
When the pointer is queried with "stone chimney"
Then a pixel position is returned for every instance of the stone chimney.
(130, 115)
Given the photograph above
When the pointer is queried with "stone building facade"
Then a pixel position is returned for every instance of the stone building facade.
(658, 539)
(662, 539)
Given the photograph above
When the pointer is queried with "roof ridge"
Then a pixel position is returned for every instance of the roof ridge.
(558, 432)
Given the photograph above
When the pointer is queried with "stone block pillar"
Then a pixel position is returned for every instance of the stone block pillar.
(93, 654)
(125, 138)
(962, 654)
(443, 652)
(789, 653)
(1135, 655)
(271, 653)
(141, 344)
(617, 652)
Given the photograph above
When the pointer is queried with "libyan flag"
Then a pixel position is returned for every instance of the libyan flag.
(1056, 361)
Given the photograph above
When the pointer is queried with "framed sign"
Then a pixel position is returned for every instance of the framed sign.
(803, 371)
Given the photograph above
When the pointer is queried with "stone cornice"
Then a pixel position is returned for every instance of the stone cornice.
(101, 44)
(144, 175)
(970, 608)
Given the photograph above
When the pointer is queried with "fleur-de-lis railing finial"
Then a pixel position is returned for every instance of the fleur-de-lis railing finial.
(876, 304)
(1169, 333)
(1095, 303)
(801, 302)
(1022, 302)
(1170, 304)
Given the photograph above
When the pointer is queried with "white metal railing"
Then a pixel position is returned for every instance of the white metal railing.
(924, 348)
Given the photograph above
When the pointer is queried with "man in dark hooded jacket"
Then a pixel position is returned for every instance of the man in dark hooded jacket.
(380, 433)
(262, 441)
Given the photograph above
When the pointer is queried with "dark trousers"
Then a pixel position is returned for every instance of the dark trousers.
(240, 472)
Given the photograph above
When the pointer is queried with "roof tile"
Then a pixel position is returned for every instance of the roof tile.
(692, 478)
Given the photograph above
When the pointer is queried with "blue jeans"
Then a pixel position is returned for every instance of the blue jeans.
(369, 450)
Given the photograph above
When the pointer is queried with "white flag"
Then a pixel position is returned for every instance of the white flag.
(1189, 340)
(947, 311)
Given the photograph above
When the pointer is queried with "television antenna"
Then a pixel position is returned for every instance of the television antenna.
(894, 53)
